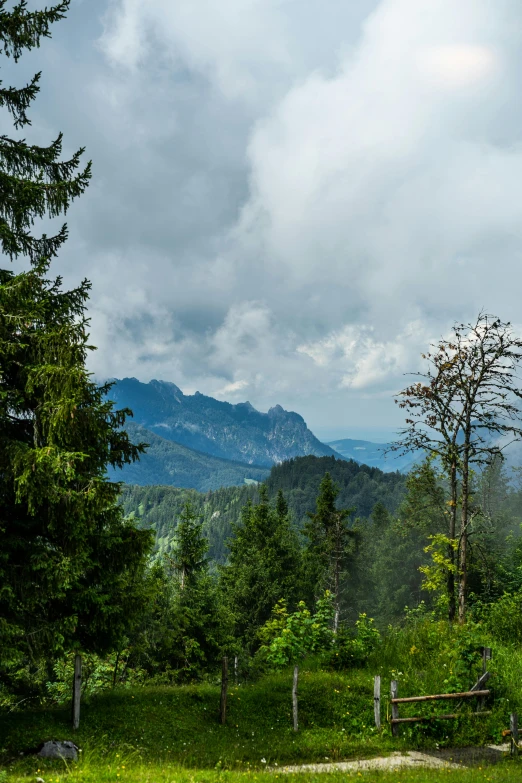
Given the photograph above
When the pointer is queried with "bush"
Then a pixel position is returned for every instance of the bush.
(290, 637)
(98, 674)
(353, 647)
(503, 618)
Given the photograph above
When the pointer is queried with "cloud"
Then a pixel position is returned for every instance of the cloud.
(290, 200)
(233, 388)
(382, 182)
(250, 50)
(363, 362)
(459, 66)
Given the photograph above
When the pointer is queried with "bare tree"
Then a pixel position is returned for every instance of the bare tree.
(433, 425)
(468, 396)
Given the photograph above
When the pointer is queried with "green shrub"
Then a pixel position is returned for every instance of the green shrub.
(98, 674)
(503, 618)
(290, 637)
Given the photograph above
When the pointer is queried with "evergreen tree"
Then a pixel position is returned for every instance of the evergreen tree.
(70, 567)
(379, 519)
(330, 545)
(264, 566)
(187, 627)
(190, 546)
(423, 513)
(34, 182)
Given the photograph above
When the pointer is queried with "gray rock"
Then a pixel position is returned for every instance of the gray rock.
(59, 750)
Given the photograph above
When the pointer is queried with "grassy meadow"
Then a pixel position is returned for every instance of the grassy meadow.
(172, 733)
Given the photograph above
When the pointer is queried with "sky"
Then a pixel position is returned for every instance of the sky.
(290, 198)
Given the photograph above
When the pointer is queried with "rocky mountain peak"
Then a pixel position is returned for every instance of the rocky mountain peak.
(235, 432)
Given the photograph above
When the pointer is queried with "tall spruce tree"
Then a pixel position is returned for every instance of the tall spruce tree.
(188, 627)
(264, 566)
(190, 546)
(330, 544)
(70, 566)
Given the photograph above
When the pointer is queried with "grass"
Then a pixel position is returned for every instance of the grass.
(128, 770)
(169, 733)
(180, 724)
(173, 733)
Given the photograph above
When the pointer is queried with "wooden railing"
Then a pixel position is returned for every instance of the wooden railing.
(476, 692)
(395, 701)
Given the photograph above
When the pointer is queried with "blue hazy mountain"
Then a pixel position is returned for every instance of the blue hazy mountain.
(373, 454)
(234, 432)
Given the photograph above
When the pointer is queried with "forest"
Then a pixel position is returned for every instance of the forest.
(158, 508)
(269, 542)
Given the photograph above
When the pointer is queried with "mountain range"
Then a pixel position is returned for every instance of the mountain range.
(201, 443)
(376, 455)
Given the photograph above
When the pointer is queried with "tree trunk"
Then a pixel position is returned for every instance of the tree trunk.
(77, 691)
(336, 582)
(224, 686)
(451, 549)
(336, 618)
(463, 549)
(115, 673)
(294, 698)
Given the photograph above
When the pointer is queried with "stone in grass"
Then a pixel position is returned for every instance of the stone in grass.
(59, 750)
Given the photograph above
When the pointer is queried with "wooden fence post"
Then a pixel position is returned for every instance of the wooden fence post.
(294, 697)
(77, 691)
(394, 690)
(377, 700)
(513, 725)
(224, 686)
(486, 656)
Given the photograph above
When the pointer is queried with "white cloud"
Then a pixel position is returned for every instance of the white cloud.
(291, 198)
(458, 66)
(379, 180)
(231, 389)
(361, 361)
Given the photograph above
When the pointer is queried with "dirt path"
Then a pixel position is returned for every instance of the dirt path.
(446, 758)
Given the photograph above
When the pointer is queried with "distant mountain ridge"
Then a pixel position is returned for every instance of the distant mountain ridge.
(233, 432)
(365, 452)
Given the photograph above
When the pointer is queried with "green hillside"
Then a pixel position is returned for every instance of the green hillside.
(360, 486)
(159, 509)
(168, 463)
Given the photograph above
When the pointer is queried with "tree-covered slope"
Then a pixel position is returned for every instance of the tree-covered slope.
(159, 508)
(360, 486)
(166, 462)
(235, 432)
